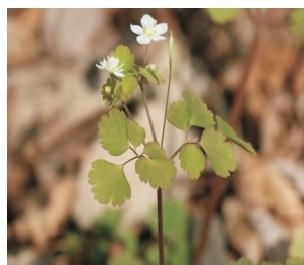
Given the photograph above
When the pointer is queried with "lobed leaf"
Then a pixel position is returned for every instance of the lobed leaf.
(109, 183)
(127, 86)
(192, 160)
(179, 115)
(192, 111)
(112, 131)
(125, 56)
(229, 132)
(156, 169)
(200, 115)
(153, 150)
(136, 134)
(220, 154)
(116, 131)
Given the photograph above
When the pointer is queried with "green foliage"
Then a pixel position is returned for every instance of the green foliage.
(136, 134)
(222, 15)
(128, 85)
(116, 131)
(153, 150)
(125, 56)
(190, 111)
(179, 114)
(220, 153)
(297, 22)
(112, 131)
(109, 183)
(192, 160)
(199, 114)
(151, 74)
(156, 169)
(229, 132)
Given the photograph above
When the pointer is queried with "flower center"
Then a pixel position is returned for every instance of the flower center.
(149, 31)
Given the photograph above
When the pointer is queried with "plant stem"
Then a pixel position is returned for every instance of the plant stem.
(126, 109)
(133, 150)
(160, 227)
(167, 103)
(151, 124)
(129, 160)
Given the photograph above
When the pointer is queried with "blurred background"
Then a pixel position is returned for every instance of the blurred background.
(248, 65)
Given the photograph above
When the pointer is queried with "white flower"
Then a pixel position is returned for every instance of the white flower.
(111, 64)
(150, 30)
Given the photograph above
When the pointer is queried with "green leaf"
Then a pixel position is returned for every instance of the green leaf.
(116, 131)
(151, 74)
(157, 170)
(112, 130)
(220, 154)
(297, 22)
(153, 150)
(229, 132)
(222, 15)
(192, 160)
(242, 261)
(200, 115)
(125, 56)
(128, 85)
(109, 183)
(179, 115)
(136, 134)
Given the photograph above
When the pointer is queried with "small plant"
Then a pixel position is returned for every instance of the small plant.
(119, 132)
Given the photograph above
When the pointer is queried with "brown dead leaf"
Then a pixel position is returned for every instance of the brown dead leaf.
(239, 230)
(260, 185)
(22, 37)
(40, 224)
(270, 72)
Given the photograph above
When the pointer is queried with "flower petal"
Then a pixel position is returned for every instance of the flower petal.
(161, 28)
(119, 74)
(136, 29)
(158, 38)
(99, 67)
(142, 39)
(147, 20)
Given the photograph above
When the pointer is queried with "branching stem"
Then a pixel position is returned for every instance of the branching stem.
(126, 109)
(132, 158)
